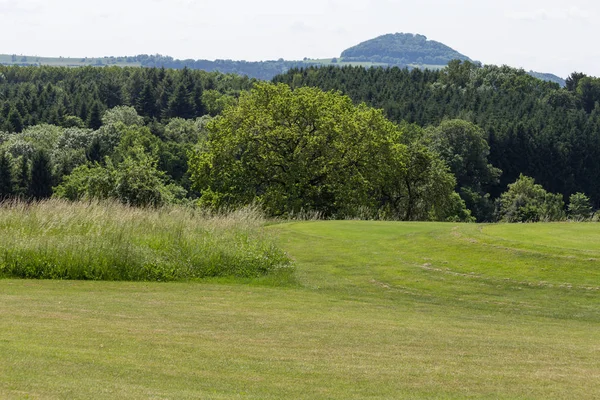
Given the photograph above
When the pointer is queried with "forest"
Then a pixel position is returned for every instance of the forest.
(533, 127)
(465, 143)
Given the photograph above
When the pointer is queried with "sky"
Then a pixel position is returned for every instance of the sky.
(541, 35)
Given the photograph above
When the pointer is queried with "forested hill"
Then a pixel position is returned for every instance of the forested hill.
(403, 49)
(533, 127)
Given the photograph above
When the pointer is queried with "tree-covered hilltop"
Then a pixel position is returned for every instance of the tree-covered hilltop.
(403, 49)
(533, 127)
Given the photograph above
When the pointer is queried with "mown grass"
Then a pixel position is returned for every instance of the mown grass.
(381, 310)
(110, 241)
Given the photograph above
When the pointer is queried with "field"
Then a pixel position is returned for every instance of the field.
(8, 59)
(340, 62)
(376, 310)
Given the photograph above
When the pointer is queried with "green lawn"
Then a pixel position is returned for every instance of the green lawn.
(378, 310)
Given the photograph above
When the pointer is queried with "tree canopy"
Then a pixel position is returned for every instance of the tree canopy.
(531, 126)
(308, 150)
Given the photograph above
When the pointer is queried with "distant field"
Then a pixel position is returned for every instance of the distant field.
(380, 310)
(341, 62)
(428, 66)
(8, 59)
(63, 61)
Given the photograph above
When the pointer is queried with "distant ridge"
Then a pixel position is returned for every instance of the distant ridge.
(403, 50)
(548, 77)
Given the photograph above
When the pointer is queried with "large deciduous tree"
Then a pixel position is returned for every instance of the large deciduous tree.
(304, 150)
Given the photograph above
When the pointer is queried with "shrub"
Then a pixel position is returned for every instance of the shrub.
(526, 201)
(580, 207)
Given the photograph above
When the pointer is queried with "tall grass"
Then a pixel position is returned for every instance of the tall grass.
(108, 241)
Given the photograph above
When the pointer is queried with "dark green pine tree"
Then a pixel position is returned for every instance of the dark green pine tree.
(22, 180)
(146, 103)
(5, 110)
(57, 116)
(40, 186)
(164, 91)
(83, 111)
(15, 121)
(94, 151)
(95, 116)
(6, 180)
(198, 100)
(181, 103)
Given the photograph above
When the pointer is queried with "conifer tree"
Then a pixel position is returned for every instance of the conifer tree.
(95, 116)
(15, 121)
(146, 103)
(94, 152)
(198, 101)
(22, 180)
(40, 186)
(181, 103)
(83, 111)
(6, 181)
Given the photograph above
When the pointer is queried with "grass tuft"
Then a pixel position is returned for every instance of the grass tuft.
(108, 241)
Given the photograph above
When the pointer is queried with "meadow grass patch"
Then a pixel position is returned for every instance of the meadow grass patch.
(109, 241)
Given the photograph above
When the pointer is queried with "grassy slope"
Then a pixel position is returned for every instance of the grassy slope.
(382, 310)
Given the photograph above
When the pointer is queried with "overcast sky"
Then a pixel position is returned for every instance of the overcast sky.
(542, 35)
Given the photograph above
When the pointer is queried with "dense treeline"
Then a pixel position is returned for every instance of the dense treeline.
(264, 70)
(79, 96)
(533, 127)
(124, 159)
(459, 138)
(289, 151)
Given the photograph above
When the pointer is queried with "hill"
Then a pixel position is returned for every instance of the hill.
(548, 77)
(403, 49)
